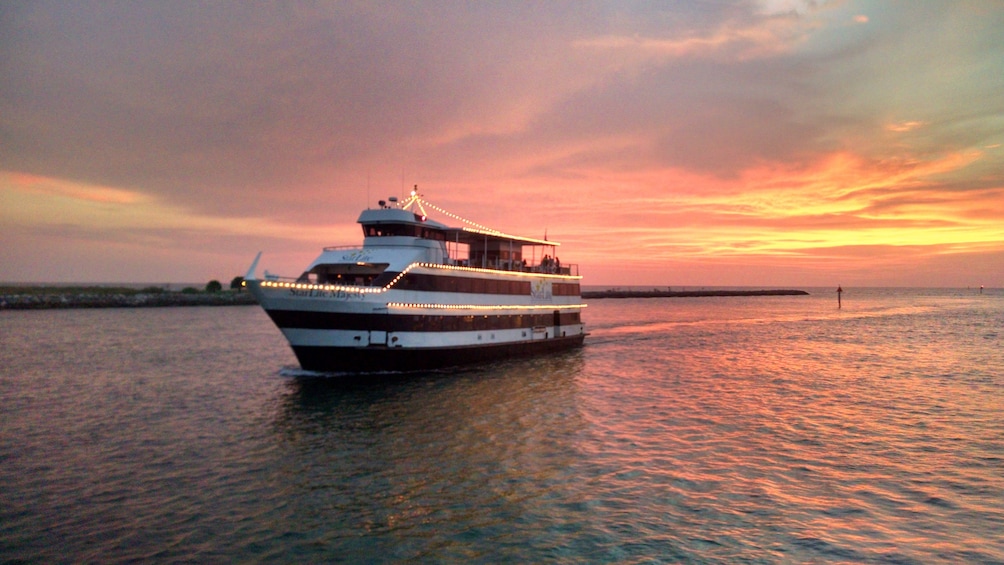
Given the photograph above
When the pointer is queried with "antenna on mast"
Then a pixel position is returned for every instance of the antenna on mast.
(401, 194)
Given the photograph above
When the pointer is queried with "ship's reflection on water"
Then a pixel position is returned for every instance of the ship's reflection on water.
(450, 453)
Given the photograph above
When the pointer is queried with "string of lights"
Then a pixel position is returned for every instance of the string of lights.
(475, 227)
(409, 268)
(495, 272)
(417, 305)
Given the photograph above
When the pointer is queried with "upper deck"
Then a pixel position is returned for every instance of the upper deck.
(474, 246)
(399, 238)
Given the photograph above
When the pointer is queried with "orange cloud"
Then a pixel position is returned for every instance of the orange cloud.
(783, 217)
(44, 202)
(77, 191)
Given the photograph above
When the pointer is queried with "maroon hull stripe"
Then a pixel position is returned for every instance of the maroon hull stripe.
(309, 320)
(376, 359)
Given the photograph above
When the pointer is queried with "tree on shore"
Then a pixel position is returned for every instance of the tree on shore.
(237, 284)
(213, 286)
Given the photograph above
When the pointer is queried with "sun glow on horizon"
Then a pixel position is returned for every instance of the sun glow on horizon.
(813, 215)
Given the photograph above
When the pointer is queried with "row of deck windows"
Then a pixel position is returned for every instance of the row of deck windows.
(482, 323)
(403, 230)
(478, 286)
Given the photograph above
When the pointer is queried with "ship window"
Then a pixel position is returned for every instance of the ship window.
(392, 230)
(433, 234)
(353, 274)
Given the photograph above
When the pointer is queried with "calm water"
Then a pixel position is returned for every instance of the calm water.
(686, 430)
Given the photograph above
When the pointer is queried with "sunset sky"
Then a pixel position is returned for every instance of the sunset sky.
(711, 143)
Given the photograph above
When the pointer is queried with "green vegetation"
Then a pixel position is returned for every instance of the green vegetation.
(28, 297)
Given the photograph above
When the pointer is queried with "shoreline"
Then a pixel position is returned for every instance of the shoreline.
(96, 299)
(51, 298)
(655, 293)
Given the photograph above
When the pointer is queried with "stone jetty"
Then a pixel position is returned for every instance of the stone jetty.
(32, 299)
(656, 293)
(45, 298)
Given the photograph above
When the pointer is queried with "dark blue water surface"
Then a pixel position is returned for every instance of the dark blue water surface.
(764, 430)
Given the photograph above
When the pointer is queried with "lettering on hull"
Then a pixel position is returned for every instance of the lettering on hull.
(330, 294)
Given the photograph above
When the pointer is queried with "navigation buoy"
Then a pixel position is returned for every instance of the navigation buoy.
(839, 292)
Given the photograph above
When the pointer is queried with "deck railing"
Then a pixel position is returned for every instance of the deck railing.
(570, 269)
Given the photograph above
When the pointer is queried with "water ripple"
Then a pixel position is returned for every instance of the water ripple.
(705, 431)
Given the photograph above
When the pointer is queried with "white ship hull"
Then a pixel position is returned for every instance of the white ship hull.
(404, 301)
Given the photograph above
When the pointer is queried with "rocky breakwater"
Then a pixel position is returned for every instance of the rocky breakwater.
(657, 293)
(33, 299)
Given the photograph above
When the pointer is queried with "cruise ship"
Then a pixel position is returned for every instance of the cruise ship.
(419, 294)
